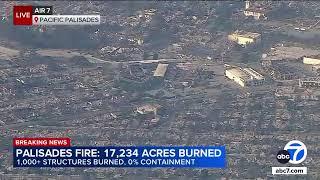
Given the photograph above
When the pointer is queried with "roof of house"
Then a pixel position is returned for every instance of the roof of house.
(161, 70)
(239, 73)
(247, 34)
(245, 73)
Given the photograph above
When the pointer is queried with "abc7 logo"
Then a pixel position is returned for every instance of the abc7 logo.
(283, 156)
(298, 152)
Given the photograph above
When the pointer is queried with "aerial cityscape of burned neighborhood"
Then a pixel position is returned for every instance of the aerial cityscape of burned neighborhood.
(245, 74)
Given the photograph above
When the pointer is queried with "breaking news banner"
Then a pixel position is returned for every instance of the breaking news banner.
(58, 152)
(43, 15)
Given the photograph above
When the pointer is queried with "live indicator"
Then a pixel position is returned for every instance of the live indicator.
(22, 15)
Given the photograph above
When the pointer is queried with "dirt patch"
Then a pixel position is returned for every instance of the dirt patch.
(58, 53)
(7, 53)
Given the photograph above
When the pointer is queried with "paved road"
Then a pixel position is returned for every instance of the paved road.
(98, 60)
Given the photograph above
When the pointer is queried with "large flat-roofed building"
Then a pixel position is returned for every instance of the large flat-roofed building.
(245, 38)
(161, 70)
(254, 73)
(312, 60)
(245, 76)
(310, 82)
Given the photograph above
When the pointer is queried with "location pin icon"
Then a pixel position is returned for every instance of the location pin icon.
(36, 19)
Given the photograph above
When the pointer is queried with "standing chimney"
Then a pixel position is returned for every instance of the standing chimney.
(247, 5)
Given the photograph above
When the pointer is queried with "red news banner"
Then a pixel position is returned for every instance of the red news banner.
(41, 142)
(22, 15)
(43, 15)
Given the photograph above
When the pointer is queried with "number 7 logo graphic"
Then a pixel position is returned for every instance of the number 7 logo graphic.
(297, 151)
